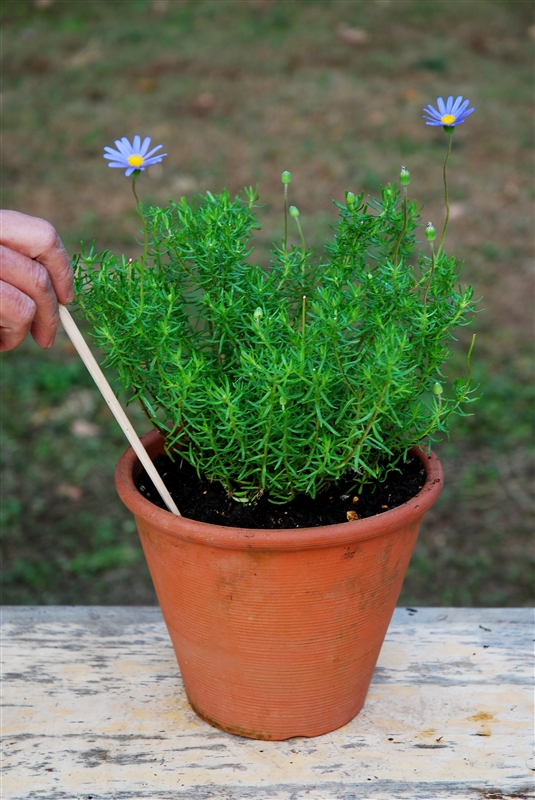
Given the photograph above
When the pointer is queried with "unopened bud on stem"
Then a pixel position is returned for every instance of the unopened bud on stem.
(286, 177)
(430, 232)
(294, 212)
(404, 176)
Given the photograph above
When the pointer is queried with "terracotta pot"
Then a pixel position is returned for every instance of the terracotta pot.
(276, 632)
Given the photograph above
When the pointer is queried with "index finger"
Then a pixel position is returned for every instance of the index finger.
(36, 238)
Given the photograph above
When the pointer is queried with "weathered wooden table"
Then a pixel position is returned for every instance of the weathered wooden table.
(95, 710)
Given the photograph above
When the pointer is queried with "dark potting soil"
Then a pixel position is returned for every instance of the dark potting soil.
(205, 501)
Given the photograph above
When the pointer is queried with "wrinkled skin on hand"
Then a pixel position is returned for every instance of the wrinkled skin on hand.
(35, 275)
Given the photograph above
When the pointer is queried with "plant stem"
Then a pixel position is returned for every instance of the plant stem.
(402, 234)
(424, 309)
(447, 413)
(468, 364)
(303, 250)
(303, 321)
(370, 424)
(140, 212)
(431, 273)
(145, 234)
(285, 218)
(446, 196)
(303, 246)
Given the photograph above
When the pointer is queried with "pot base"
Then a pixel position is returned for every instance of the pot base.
(268, 736)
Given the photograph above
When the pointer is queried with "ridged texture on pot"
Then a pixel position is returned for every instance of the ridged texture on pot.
(276, 632)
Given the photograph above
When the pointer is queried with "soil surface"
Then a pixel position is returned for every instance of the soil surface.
(206, 501)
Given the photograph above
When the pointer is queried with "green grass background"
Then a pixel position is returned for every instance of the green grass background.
(237, 92)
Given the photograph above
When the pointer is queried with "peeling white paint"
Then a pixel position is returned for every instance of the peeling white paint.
(94, 707)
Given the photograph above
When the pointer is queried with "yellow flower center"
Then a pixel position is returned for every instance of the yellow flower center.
(135, 160)
(448, 119)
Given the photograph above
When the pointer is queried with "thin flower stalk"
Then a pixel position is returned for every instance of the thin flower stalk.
(449, 114)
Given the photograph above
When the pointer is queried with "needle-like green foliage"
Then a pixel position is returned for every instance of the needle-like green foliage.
(282, 378)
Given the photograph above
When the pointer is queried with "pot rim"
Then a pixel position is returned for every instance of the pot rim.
(272, 538)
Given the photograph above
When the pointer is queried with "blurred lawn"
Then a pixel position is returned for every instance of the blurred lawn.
(237, 92)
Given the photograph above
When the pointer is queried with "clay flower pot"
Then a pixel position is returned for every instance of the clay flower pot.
(276, 632)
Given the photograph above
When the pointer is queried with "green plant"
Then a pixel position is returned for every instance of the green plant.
(282, 379)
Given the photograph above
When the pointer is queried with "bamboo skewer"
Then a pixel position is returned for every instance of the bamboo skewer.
(115, 407)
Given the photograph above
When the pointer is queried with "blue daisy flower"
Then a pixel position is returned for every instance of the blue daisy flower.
(450, 113)
(133, 157)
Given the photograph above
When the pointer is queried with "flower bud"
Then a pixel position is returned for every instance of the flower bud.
(430, 232)
(286, 177)
(404, 176)
(437, 389)
(350, 199)
(294, 212)
(258, 314)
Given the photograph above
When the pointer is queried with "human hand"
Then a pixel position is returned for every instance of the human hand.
(35, 275)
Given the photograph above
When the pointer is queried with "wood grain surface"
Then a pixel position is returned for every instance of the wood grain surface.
(94, 709)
